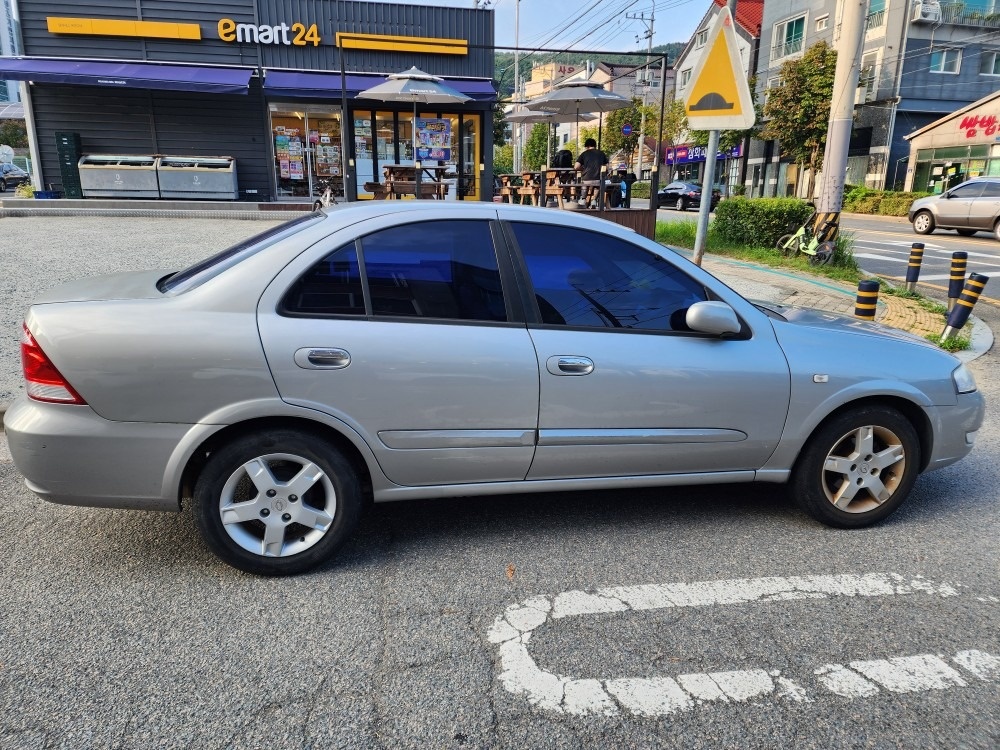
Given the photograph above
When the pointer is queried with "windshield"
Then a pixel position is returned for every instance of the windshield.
(211, 267)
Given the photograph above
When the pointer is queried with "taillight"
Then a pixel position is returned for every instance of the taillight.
(43, 381)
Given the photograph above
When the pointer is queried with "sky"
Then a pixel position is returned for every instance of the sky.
(592, 24)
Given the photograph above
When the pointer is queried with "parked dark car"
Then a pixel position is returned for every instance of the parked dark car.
(12, 175)
(973, 206)
(684, 195)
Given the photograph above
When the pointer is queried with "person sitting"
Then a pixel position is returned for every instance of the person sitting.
(590, 164)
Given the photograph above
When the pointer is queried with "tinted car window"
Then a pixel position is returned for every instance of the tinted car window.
(331, 287)
(992, 190)
(969, 190)
(583, 278)
(434, 269)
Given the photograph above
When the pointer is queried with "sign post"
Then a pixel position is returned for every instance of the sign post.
(719, 99)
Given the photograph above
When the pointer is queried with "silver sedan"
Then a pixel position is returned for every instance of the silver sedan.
(395, 350)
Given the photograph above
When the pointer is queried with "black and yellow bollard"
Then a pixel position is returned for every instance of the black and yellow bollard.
(913, 269)
(867, 300)
(963, 305)
(956, 280)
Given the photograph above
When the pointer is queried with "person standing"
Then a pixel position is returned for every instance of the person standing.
(589, 163)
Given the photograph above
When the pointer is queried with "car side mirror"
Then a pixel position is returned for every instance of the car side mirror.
(715, 318)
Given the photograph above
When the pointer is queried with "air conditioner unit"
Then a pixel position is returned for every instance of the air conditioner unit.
(926, 11)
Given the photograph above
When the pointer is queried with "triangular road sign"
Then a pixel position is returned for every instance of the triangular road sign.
(719, 97)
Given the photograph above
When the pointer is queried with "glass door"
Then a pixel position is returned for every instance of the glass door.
(307, 151)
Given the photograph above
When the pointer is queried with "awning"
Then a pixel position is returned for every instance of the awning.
(327, 85)
(126, 75)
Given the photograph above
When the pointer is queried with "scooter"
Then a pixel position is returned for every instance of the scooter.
(326, 198)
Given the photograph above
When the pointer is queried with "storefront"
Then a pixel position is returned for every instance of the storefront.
(955, 148)
(687, 162)
(261, 81)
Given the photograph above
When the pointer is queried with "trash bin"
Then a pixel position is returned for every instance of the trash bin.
(198, 177)
(118, 176)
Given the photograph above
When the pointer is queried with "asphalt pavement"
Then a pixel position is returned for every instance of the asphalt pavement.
(711, 617)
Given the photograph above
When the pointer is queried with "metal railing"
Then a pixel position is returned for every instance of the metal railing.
(959, 14)
(875, 20)
(784, 50)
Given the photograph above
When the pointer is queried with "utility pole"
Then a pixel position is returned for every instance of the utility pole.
(838, 134)
(645, 77)
(516, 131)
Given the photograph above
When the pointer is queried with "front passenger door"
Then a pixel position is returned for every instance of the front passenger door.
(626, 388)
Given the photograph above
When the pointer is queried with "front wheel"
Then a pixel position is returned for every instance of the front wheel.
(277, 503)
(3, 186)
(786, 245)
(923, 223)
(317, 205)
(823, 254)
(857, 468)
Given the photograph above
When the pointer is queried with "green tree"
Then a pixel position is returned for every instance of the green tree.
(13, 133)
(674, 125)
(503, 159)
(499, 123)
(798, 111)
(614, 140)
(534, 146)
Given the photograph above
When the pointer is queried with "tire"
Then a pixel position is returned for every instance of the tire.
(833, 461)
(923, 222)
(3, 186)
(240, 517)
(966, 232)
(681, 204)
(784, 247)
(317, 205)
(996, 229)
(824, 254)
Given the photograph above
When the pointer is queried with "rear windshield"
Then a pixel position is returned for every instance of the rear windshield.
(211, 267)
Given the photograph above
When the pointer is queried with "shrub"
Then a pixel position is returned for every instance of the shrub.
(24, 190)
(895, 205)
(640, 189)
(758, 221)
(861, 200)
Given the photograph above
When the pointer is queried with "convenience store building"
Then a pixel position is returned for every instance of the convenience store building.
(272, 83)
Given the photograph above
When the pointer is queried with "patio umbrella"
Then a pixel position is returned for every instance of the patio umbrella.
(575, 97)
(529, 117)
(414, 85)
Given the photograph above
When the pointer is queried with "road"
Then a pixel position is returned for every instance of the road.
(716, 617)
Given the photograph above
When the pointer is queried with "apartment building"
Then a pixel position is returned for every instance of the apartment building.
(920, 60)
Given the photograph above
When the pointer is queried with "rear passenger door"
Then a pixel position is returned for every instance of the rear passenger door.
(953, 210)
(986, 209)
(407, 333)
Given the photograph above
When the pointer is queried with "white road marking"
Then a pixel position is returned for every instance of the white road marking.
(4, 449)
(658, 696)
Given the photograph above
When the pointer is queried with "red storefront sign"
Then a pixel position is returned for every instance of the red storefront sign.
(973, 124)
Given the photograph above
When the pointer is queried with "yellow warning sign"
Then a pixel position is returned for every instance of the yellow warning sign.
(719, 97)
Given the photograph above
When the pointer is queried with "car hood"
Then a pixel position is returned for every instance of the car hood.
(130, 285)
(820, 319)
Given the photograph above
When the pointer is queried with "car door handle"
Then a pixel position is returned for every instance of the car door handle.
(322, 359)
(569, 365)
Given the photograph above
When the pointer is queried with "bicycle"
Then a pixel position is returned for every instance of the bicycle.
(326, 198)
(804, 241)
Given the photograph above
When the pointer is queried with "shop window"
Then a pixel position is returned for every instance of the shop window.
(946, 60)
(788, 38)
(989, 63)
(469, 186)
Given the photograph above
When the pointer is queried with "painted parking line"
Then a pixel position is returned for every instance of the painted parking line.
(659, 696)
(4, 449)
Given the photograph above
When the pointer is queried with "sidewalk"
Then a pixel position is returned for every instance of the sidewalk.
(803, 290)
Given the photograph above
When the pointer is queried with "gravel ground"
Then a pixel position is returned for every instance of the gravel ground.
(41, 252)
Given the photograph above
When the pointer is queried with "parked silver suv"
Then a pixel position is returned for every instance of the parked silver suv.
(968, 208)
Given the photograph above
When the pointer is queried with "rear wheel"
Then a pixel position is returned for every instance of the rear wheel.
(317, 205)
(786, 245)
(277, 503)
(923, 223)
(966, 232)
(681, 204)
(857, 468)
(996, 229)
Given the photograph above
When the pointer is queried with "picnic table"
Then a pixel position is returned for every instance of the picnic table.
(401, 179)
